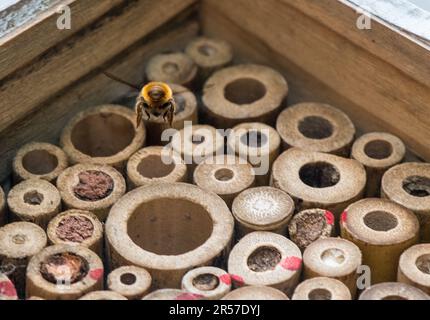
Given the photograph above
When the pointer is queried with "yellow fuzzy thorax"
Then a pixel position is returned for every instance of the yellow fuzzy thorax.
(159, 85)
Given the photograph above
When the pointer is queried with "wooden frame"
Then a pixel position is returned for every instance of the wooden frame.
(378, 76)
(53, 85)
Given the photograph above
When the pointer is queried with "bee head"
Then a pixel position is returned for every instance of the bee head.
(156, 92)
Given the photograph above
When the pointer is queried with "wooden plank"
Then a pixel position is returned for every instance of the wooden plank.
(26, 90)
(41, 33)
(46, 124)
(385, 41)
(373, 90)
(403, 15)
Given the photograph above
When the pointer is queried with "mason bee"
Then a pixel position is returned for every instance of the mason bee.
(155, 98)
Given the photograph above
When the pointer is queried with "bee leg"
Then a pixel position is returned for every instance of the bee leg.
(170, 113)
(138, 109)
(148, 114)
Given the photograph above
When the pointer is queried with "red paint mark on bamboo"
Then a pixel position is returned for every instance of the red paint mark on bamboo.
(343, 216)
(226, 279)
(96, 274)
(329, 217)
(291, 263)
(7, 289)
(237, 280)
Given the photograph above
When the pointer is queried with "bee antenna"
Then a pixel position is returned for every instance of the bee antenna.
(115, 78)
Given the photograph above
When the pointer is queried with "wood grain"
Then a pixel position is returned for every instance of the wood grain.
(94, 89)
(34, 38)
(385, 41)
(26, 90)
(323, 65)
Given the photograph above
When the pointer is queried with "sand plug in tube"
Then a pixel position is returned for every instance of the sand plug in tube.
(77, 227)
(262, 209)
(310, 225)
(91, 187)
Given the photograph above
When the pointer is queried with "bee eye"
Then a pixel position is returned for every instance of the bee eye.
(145, 105)
(166, 105)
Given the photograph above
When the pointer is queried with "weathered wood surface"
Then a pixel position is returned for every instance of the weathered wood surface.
(407, 15)
(26, 42)
(26, 90)
(380, 90)
(94, 89)
(383, 40)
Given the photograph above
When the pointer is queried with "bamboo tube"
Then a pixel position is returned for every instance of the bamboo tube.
(259, 144)
(334, 258)
(319, 180)
(316, 127)
(209, 55)
(19, 241)
(262, 209)
(7, 289)
(91, 187)
(208, 282)
(225, 175)
(130, 281)
(308, 226)
(244, 93)
(38, 160)
(377, 151)
(63, 272)
(170, 294)
(152, 165)
(34, 200)
(196, 143)
(168, 229)
(105, 134)
(393, 291)
(321, 288)
(175, 67)
(256, 293)
(265, 258)
(77, 227)
(408, 184)
(103, 295)
(382, 230)
(414, 267)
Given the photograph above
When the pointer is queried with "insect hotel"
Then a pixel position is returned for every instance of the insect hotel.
(214, 149)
